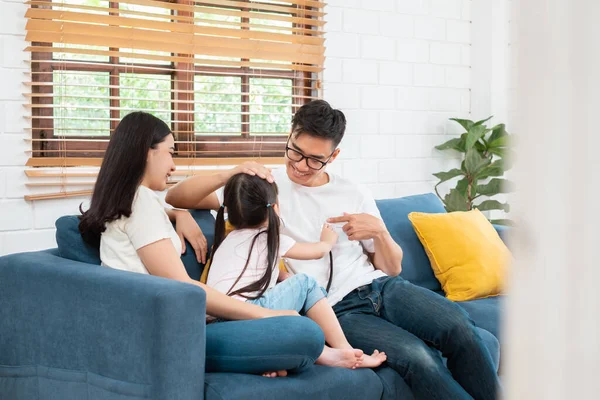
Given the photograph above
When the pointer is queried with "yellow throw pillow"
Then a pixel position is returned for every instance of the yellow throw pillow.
(466, 254)
(228, 229)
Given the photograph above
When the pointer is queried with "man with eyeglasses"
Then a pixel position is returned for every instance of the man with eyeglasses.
(376, 308)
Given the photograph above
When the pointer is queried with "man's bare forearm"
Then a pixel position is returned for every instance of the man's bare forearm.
(191, 192)
(388, 254)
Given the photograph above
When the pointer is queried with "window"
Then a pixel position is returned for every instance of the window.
(226, 75)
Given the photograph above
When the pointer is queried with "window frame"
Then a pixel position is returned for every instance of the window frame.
(182, 83)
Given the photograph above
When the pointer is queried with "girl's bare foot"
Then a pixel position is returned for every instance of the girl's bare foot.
(283, 372)
(374, 360)
(344, 358)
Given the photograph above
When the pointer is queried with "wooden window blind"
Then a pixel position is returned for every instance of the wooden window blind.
(226, 75)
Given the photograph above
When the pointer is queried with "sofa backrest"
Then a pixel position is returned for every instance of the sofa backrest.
(72, 246)
(416, 267)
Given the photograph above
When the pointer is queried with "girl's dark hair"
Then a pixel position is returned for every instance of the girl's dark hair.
(249, 201)
(121, 172)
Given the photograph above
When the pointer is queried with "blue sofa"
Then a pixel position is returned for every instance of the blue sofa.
(70, 329)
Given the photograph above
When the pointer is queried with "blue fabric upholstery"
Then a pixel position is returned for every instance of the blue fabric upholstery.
(394, 387)
(503, 232)
(416, 267)
(69, 330)
(70, 243)
(316, 382)
(207, 223)
(72, 246)
(486, 313)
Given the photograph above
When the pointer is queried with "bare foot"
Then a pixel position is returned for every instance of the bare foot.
(344, 358)
(275, 374)
(374, 360)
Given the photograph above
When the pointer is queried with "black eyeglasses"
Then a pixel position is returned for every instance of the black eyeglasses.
(312, 163)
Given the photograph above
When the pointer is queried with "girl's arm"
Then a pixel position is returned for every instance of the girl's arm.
(161, 259)
(314, 251)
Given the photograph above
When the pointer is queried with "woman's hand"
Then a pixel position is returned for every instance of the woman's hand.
(187, 228)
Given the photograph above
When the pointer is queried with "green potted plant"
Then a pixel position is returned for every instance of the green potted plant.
(484, 153)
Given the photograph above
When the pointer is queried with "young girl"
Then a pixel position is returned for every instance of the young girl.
(244, 265)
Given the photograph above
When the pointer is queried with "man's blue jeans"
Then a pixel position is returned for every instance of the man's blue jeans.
(404, 320)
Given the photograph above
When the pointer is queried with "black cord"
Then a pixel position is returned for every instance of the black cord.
(330, 272)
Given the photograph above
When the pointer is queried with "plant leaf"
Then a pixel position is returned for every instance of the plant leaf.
(446, 176)
(474, 134)
(492, 205)
(480, 147)
(499, 151)
(462, 186)
(502, 141)
(495, 186)
(494, 169)
(474, 162)
(465, 123)
(454, 144)
(503, 221)
(483, 120)
(497, 132)
(455, 201)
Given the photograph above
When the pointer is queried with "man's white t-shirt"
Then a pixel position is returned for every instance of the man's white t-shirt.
(304, 210)
(148, 223)
(228, 262)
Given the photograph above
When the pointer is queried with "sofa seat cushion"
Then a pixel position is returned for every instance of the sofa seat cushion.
(486, 313)
(415, 263)
(394, 386)
(72, 246)
(317, 382)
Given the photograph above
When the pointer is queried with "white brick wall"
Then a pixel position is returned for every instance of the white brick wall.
(398, 69)
(24, 226)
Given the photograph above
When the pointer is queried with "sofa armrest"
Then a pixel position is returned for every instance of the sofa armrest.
(126, 327)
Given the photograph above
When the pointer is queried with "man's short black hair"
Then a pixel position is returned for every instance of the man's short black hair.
(318, 119)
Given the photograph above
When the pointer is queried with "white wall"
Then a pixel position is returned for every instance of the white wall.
(23, 225)
(398, 69)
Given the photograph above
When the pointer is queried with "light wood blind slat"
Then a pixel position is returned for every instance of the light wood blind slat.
(226, 75)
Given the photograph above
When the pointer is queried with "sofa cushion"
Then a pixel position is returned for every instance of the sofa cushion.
(415, 263)
(486, 313)
(70, 243)
(72, 246)
(394, 386)
(317, 382)
(466, 254)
